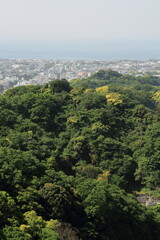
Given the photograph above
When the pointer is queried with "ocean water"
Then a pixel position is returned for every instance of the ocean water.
(99, 50)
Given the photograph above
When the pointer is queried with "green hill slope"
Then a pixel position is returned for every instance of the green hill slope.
(72, 157)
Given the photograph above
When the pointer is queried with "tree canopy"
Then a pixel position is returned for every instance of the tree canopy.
(74, 156)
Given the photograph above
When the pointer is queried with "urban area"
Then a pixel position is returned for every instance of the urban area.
(17, 72)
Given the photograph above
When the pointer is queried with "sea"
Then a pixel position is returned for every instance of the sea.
(83, 50)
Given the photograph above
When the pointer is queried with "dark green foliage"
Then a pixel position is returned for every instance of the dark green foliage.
(58, 86)
(106, 75)
(72, 159)
(14, 233)
(56, 199)
(102, 78)
(22, 90)
(9, 212)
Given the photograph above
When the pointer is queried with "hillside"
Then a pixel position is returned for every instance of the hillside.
(74, 156)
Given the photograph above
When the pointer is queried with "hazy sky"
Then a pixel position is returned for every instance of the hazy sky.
(79, 19)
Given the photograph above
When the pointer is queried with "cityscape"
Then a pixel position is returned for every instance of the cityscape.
(18, 72)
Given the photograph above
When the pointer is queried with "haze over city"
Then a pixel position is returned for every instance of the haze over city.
(77, 29)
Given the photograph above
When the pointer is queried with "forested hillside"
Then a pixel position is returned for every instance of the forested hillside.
(74, 156)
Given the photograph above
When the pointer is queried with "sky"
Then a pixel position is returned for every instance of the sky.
(88, 29)
(75, 20)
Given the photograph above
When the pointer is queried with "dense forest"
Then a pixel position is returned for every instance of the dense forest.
(75, 155)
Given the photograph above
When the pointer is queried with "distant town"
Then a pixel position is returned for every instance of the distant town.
(17, 72)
